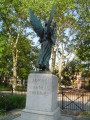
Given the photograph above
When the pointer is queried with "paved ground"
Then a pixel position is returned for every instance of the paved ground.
(12, 115)
(18, 118)
(16, 115)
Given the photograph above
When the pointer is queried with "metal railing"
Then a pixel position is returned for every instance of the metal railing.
(74, 101)
(70, 100)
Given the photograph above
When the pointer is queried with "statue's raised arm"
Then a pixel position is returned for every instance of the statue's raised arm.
(46, 39)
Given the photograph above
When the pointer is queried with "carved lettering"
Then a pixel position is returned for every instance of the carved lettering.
(39, 87)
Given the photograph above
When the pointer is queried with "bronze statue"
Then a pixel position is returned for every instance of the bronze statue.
(47, 39)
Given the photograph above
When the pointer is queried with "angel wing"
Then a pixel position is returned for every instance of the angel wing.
(36, 24)
(50, 18)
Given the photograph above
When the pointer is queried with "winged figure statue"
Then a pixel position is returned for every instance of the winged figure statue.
(47, 39)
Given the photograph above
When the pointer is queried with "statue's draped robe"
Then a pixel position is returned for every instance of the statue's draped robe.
(45, 52)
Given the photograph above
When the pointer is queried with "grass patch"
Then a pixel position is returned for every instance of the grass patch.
(76, 113)
(85, 114)
(21, 88)
(3, 88)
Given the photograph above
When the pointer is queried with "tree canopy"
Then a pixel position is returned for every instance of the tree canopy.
(18, 55)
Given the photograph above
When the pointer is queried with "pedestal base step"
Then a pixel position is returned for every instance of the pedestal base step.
(40, 115)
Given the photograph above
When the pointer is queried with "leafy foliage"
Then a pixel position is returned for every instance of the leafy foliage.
(11, 102)
(65, 78)
(68, 74)
(16, 52)
(72, 17)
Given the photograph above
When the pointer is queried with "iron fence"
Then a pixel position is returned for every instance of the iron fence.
(70, 100)
(74, 101)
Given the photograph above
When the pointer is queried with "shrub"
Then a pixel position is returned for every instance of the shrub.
(87, 85)
(12, 101)
(2, 112)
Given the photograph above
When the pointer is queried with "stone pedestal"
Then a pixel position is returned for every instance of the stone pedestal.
(41, 101)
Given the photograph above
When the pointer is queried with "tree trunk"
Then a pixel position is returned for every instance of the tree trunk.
(53, 60)
(14, 71)
(59, 73)
(14, 53)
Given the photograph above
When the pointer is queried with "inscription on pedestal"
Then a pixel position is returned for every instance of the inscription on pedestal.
(39, 86)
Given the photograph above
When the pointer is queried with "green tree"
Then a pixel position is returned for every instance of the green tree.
(27, 57)
(14, 21)
(5, 57)
(74, 18)
(70, 72)
(82, 52)
(68, 15)
(65, 77)
(11, 19)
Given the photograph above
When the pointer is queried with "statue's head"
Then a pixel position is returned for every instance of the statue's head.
(46, 23)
